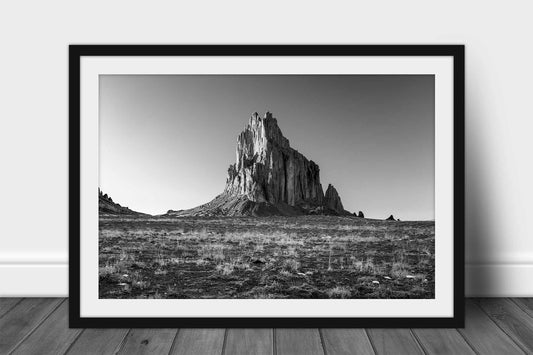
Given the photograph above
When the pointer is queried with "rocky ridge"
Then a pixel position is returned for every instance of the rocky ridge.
(106, 205)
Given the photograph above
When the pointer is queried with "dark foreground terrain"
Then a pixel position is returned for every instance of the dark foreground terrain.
(270, 257)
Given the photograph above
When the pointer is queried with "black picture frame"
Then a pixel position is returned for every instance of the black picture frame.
(76, 52)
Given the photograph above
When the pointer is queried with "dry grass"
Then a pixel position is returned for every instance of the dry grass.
(339, 292)
(273, 257)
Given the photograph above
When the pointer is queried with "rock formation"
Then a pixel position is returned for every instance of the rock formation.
(391, 218)
(267, 169)
(270, 178)
(332, 199)
(107, 206)
(361, 214)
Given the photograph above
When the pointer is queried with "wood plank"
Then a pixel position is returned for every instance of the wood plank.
(346, 341)
(516, 323)
(394, 341)
(199, 341)
(148, 341)
(32, 326)
(53, 336)
(484, 335)
(298, 341)
(526, 304)
(24, 318)
(249, 341)
(442, 341)
(98, 341)
(7, 303)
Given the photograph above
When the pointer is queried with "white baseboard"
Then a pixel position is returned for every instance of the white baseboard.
(51, 280)
(499, 280)
(34, 280)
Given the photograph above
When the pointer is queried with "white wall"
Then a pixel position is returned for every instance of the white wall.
(34, 110)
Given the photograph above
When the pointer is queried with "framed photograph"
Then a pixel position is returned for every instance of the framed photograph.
(266, 186)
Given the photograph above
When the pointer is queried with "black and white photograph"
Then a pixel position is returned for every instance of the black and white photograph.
(292, 185)
(266, 186)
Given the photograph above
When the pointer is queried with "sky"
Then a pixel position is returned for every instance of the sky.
(166, 141)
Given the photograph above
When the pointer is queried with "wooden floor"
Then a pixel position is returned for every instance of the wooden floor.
(40, 326)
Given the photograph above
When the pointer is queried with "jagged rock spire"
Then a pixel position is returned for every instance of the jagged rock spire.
(267, 169)
(269, 178)
(332, 199)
